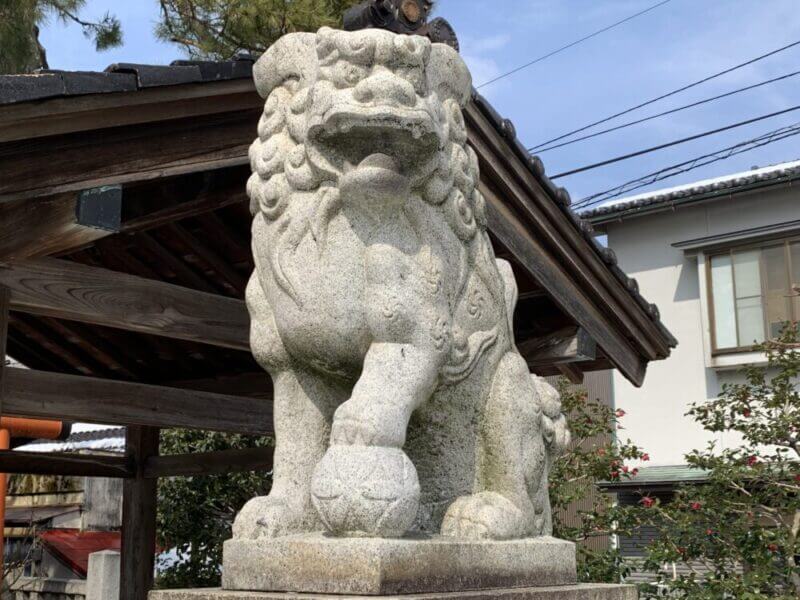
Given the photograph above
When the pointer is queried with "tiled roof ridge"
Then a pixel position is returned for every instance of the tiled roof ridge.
(85, 436)
(718, 186)
(562, 199)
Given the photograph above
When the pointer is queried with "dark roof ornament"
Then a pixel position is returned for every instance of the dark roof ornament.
(401, 16)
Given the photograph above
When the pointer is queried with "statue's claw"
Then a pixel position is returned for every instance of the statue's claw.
(486, 515)
(268, 516)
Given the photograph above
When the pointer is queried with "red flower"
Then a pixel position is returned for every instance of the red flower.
(746, 412)
(773, 547)
(709, 532)
(797, 478)
(647, 502)
(695, 506)
(752, 461)
(634, 473)
(625, 469)
(681, 550)
(614, 474)
(645, 457)
(620, 413)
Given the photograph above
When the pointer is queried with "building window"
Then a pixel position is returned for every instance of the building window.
(752, 293)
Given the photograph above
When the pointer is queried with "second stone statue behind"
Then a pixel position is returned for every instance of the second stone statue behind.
(402, 406)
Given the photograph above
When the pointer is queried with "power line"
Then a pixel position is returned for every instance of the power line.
(668, 112)
(673, 143)
(570, 45)
(667, 95)
(695, 163)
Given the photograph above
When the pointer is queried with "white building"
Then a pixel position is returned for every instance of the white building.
(719, 258)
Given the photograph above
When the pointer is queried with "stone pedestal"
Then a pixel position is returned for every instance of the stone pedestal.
(565, 592)
(315, 563)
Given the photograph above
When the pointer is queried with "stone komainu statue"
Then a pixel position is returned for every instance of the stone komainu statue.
(378, 307)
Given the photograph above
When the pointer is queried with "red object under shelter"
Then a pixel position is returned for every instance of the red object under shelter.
(73, 546)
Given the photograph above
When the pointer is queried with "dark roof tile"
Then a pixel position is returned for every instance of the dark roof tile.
(725, 186)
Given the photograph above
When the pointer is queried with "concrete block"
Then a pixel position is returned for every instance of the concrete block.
(315, 563)
(102, 577)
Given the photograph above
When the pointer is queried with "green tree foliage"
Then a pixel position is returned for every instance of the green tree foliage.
(195, 514)
(20, 20)
(742, 526)
(595, 455)
(219, 29)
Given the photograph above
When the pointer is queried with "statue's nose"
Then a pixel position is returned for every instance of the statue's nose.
(385, 88)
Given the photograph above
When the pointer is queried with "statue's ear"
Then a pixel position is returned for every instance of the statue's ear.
(292, 57)
(448, 75)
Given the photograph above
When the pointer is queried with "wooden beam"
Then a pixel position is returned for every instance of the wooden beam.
(538, 261)
(75, 161)
(544, 217)
(568, 345)
(139, 504)
(55, 463)
(43, 226)
(55, 116)
(209, 463)
(5, 304)
(572, 372)
(67, 290)
(45, 395)
(251, 385)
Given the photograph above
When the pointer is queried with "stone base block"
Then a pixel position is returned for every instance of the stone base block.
(315, 563)
(565, 592)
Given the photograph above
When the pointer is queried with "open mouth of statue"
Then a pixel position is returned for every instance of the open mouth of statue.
(408, 136)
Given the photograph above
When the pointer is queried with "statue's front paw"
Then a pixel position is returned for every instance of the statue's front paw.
(484, 516)
(361, 424)
(267, 516)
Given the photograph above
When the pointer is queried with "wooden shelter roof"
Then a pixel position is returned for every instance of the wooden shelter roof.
(156, 156)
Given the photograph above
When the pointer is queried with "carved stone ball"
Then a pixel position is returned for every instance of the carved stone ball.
(368, 491)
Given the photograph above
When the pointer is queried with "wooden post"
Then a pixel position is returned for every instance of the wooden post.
(5, 303)
(138, 516)
(5, 442)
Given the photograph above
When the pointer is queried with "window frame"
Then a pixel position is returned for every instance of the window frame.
(760, 245)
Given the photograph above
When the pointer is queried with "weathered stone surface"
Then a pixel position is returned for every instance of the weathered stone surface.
(407, 424)
(375, 566)
(567, 592)
(378, 307)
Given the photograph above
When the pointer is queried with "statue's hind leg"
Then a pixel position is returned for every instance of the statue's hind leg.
(511, 455)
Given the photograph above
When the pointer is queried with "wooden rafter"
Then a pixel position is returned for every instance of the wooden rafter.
(67, 290)
(45, 395)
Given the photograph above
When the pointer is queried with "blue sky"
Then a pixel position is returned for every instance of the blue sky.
(664, 49)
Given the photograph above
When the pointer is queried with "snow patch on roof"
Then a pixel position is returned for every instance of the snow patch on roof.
(697, 188)
(706, 182)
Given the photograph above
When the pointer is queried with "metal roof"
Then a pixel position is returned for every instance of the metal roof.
(111, 439)
(707, 189)
(667, 475)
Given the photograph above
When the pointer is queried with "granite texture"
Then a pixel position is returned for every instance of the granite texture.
(567, 592)
(379, 308)
(375, 566)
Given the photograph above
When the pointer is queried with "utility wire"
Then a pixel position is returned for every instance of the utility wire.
(669, 112)
(689, 165)
(673, 143)
(667, 95)
(570, 45)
